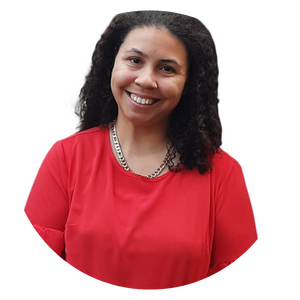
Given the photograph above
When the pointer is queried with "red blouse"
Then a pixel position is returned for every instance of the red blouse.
(135, 232)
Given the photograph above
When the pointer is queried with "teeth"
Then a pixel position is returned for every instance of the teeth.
(139, 100)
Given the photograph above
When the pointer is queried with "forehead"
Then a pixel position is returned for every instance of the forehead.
(153, 40)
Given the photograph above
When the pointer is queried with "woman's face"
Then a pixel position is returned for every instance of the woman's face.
(149, 57)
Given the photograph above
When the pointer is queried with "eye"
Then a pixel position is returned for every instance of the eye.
(135, 60)
(168, 69)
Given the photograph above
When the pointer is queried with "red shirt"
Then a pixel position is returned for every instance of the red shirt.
(135, 232)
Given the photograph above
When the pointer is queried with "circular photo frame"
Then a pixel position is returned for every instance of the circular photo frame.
(252, 110)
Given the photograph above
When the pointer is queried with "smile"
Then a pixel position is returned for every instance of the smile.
(140, 100)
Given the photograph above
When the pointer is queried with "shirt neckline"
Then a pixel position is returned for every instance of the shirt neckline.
(128, 173)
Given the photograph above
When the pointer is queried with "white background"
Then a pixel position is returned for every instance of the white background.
(253, 114)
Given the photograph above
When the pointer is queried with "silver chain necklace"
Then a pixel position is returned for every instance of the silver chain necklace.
(122, 159)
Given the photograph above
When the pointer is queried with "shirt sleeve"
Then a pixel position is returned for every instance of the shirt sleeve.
(234, 229)
(47, 206)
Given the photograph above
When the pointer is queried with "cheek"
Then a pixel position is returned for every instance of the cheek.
(120, 78)
(172, 90)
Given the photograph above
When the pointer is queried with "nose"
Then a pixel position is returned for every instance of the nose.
(146, 79)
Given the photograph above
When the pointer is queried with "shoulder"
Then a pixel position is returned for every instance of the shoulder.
(89, 134)
(83, 141)
(224, 164)
(222, 158)
(86, 137)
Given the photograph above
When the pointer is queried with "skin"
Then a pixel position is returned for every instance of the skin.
(148, 56)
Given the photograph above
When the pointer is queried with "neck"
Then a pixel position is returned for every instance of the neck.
(141, 140)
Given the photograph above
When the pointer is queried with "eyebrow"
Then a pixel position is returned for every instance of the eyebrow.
(137, 51)
(166, 60)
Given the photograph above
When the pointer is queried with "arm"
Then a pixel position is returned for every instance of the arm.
(47, 206)
(235, 230)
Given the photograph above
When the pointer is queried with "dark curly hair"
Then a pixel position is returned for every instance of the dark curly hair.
(195, 128)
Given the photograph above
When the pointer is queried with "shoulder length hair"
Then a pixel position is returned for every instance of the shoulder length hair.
(195, 128)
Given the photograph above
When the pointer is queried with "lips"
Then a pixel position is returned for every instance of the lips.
(141, 100)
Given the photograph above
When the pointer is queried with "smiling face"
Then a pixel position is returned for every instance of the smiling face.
(149, 75)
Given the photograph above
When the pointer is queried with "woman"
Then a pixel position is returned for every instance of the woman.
(143, 196)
